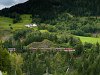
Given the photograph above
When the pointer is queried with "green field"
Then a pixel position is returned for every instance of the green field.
(89, 39)
(5, 22)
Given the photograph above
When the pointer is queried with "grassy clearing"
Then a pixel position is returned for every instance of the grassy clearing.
(89, 39)
(25, 20)
(5, 22)
(43, 31)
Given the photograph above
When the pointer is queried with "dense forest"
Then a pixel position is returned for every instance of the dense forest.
(42, 7)
(51, 62)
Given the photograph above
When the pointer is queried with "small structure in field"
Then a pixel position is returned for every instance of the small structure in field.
(30, 25)
(11, 49)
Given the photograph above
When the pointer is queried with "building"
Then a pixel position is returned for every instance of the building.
(30, 25)
(11, 49)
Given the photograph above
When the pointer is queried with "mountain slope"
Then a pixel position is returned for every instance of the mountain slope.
(78, 7)
(48, 9)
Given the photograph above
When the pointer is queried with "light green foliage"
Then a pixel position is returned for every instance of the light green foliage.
(4, 59)
(89, 39)
(16, 64)
(4, 73)
(38, 62)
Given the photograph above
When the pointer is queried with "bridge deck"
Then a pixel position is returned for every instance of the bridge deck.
(58, 49)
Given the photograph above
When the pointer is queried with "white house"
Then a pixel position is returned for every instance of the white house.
(11, 49)
(34, 25)
(31, 25)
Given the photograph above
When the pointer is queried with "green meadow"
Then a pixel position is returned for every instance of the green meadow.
(5, 22)
(89, 39)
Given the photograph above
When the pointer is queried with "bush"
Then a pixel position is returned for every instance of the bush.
(78, 32)
(88, 45)
(20, 33)
(4, 73)
(88, 34)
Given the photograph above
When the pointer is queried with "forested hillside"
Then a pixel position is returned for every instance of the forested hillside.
(64, 41)
(53, 7)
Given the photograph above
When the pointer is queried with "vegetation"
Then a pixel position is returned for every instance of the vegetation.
(89, 39)
(60, 24)
(53, 62)
(41, 8)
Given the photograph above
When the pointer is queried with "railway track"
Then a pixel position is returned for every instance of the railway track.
(58, 49)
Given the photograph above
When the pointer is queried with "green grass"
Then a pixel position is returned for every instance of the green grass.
(25, 20)
(89, 39)
(4, 22)
(43, 31)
